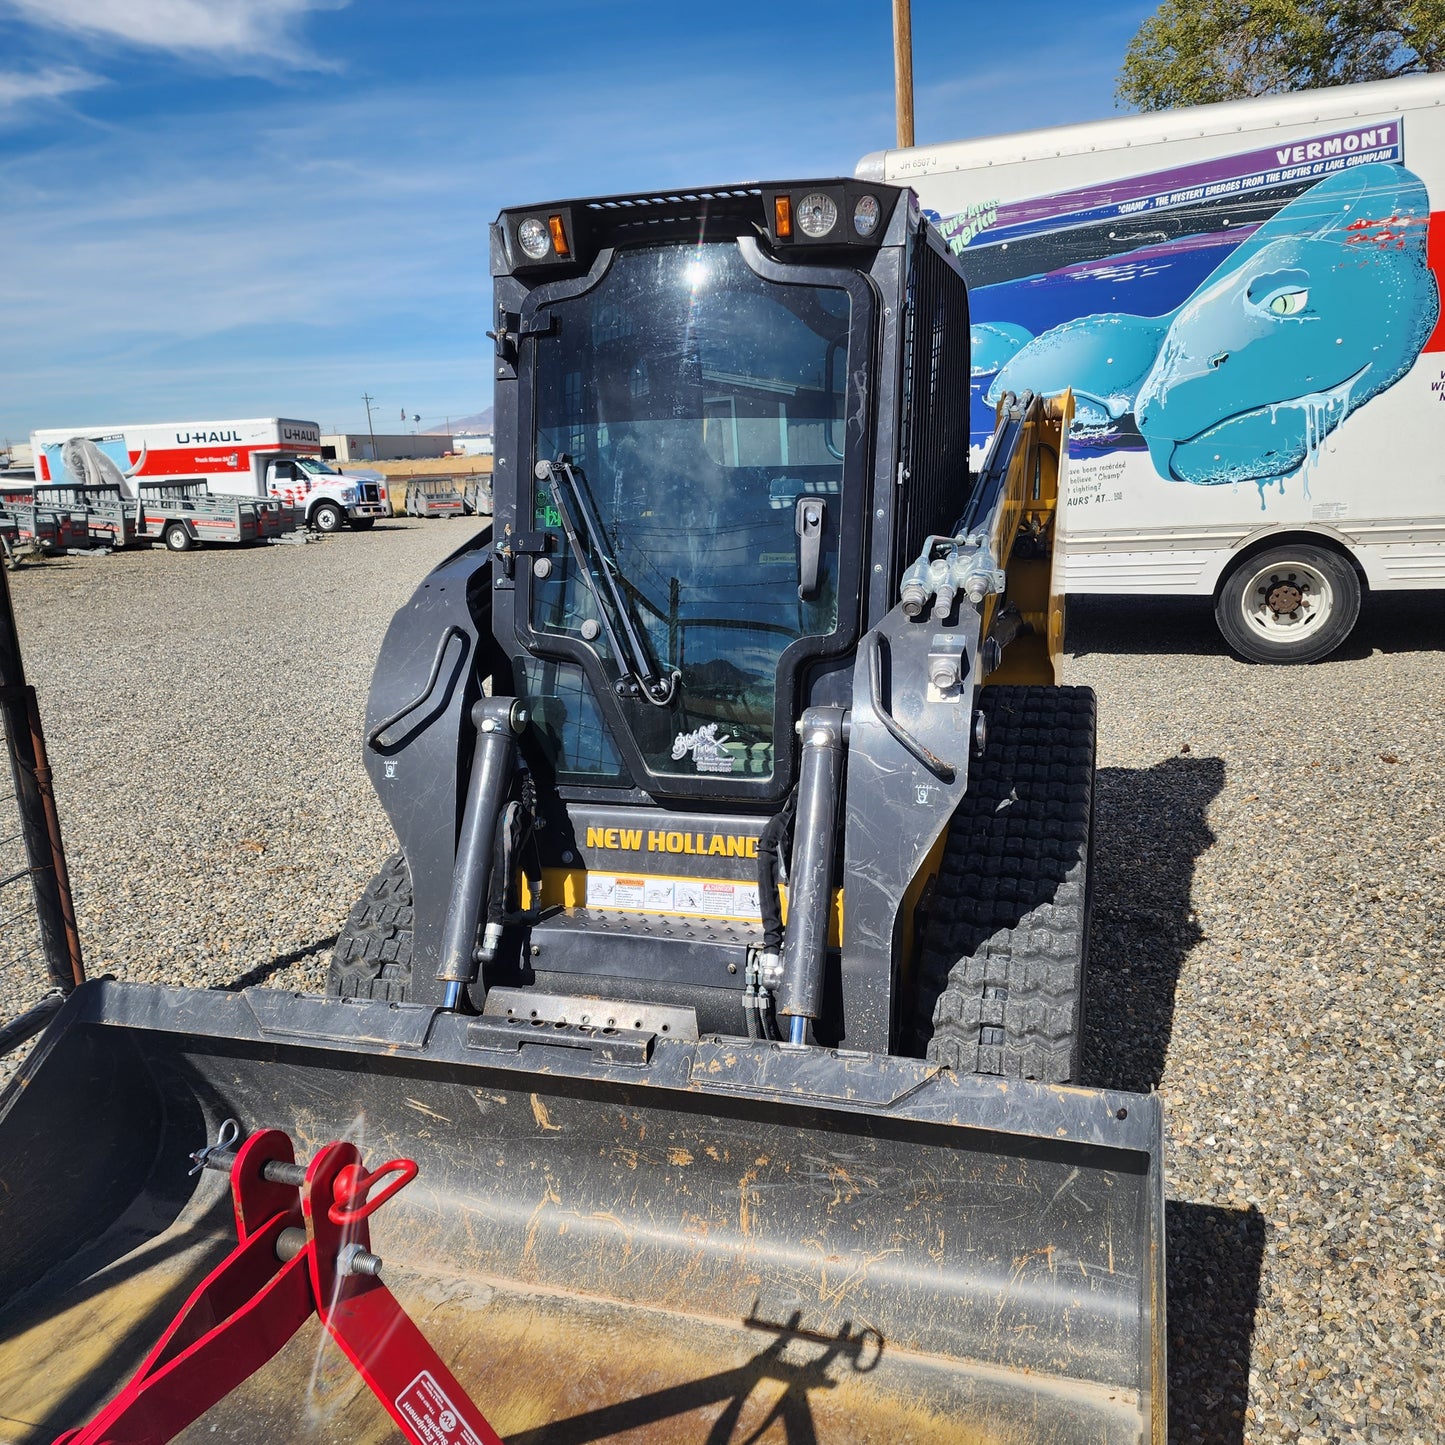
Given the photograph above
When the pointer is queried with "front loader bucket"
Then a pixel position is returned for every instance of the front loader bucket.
(647, 1239)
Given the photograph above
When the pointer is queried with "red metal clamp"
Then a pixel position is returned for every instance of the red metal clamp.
(251, 1304)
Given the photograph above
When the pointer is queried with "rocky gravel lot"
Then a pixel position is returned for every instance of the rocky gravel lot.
(1269, 941)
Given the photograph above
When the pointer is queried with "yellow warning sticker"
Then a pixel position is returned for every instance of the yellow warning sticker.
(692, 897)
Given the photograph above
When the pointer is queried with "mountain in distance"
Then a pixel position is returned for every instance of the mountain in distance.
(463, 425)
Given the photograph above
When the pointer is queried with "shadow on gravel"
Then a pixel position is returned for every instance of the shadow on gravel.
(1396, 622)
(263, 971)
(1214, 1262)
(1172, 625)
(1184, 626)
(1149, 829)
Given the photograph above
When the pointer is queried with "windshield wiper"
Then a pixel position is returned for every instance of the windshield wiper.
(581, 524)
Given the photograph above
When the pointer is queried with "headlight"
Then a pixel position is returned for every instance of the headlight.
(865, 215)
(534, 238)
(817, 214)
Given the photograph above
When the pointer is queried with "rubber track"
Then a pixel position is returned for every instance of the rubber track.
(1000, 986)
(372, 957)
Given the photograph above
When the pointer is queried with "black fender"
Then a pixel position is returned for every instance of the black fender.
(436, 656)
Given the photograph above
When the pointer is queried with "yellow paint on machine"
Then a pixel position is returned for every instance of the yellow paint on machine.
(1034, 582)
(567, 888)
(667, 840)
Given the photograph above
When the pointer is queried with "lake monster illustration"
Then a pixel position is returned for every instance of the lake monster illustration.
(1324, 306)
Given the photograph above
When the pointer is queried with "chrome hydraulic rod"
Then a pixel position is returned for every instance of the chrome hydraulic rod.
(810, 880)
(498, 721)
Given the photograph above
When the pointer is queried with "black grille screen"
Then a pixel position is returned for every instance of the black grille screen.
(936, 405)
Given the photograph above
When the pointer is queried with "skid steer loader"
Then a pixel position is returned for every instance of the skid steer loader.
(727, 989)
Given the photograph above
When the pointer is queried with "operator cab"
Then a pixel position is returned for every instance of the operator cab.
(685, 530)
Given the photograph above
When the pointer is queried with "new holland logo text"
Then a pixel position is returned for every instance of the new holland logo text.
(704, 845)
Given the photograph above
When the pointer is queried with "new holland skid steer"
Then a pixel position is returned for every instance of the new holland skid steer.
(727, 990)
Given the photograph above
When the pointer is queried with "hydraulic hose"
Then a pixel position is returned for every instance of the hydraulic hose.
(776, 836)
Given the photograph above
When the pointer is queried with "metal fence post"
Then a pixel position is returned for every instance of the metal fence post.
(39, 820)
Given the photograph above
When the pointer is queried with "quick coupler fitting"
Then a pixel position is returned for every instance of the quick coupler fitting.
(491, 942)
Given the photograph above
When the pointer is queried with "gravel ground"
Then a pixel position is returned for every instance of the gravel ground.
(1267, 943)
(1268, 946)
(203, 715)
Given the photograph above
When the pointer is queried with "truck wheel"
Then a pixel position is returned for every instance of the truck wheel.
(176, 538)
(362, 524)
(1000, 985)
(328, 517)
(1289, 604)
(372, 957)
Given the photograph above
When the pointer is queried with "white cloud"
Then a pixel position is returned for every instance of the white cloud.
(234, 30)
(16, 87)
(333, 244)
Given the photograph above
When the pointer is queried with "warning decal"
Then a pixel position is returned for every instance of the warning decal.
(694, 897)
(432, 1416)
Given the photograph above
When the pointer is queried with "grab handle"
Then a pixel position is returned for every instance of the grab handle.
(373, 738)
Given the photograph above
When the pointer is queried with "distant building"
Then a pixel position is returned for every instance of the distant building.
(477, 444)
(402, 446)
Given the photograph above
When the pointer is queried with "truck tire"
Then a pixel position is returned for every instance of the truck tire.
(1291, 604)
(372, 957)
(327, 517)
(176, 538)
(362, 524)
(1000, 984)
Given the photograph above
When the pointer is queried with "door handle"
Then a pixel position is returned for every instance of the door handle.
(808, 524)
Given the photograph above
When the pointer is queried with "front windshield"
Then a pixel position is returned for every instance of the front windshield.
(702, 408)
(317, 468)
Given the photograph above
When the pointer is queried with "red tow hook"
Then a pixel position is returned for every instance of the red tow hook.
(304, 1248)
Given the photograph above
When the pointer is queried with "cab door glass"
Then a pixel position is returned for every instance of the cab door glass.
(700, 404)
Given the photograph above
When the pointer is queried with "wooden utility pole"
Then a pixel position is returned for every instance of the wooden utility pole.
(903, 69)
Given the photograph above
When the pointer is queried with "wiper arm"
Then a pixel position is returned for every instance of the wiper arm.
(581, 524)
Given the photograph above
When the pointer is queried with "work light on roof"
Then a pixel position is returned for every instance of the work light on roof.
(865, 215)
(817, 215)
(534, 237)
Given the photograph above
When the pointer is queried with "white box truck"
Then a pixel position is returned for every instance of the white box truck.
(273, 457)
(1246, 301)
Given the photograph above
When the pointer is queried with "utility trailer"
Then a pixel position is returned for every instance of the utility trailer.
(433, 497)
(719, 1023)
(183, 513)
(99, 514)
(477, 495)
(37, 527)
(180, 514)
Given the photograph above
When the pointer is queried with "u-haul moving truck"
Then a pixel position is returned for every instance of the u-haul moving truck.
(260, 457)
(1246, 301)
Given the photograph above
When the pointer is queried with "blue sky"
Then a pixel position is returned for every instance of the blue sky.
(260, 207)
